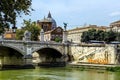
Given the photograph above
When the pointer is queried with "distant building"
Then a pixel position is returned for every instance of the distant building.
(49, 26)
(10, 35)
(74, 35)
(115, 26)
(48, 23)
(53, 34)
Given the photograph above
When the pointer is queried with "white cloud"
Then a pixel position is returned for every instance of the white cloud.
(113, 14)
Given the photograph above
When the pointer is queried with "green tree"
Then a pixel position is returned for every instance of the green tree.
(110, 36)
(117, 36)
(1, 30)
(31, 27)
(58, 39)
(20, 34)
(85, 37)
(98, 35)
(10, 9)
(92, 34)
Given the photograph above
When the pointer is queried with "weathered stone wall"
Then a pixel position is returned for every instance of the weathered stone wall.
(94, 53)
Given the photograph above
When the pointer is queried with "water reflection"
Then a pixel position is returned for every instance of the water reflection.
(58, 74)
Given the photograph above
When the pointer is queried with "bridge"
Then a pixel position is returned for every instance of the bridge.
(20, 52)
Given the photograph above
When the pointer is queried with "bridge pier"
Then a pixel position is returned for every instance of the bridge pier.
(64, 36)
(28, 55)
(65, 54)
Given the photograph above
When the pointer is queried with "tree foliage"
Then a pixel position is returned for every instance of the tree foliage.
(98, 35)
(118, 37)
(1, 30)
(110, 36)
(58, 39)
(10, 9)
(31, 27)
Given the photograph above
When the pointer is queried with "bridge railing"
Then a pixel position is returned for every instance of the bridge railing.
(33, 42)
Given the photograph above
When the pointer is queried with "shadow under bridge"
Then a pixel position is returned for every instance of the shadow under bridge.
(48, 57)
(10, 57)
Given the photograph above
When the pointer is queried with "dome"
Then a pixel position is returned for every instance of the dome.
(54, 25)
(49, 19)
(46, 20)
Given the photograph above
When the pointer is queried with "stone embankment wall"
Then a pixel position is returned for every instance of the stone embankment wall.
(95, 53)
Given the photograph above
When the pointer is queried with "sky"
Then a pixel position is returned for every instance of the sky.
(75, 13)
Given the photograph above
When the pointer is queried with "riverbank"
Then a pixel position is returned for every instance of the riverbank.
(109, 67)
(81, 66)
(16, 67)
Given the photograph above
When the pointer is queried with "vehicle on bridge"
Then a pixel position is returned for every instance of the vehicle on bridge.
(96, 42)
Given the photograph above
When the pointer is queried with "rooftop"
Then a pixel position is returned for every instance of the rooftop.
(90, 26)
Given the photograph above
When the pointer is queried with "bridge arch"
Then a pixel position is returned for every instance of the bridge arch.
(45, 50)
(14, 48)
(10, 56)
(48, 54)
(52, 48)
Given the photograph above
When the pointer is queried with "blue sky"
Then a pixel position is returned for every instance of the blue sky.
(75, 12)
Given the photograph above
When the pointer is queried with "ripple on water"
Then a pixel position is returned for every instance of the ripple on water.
(58, 74)
(40, 77)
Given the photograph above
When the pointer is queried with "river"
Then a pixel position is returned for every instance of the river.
(58, 74)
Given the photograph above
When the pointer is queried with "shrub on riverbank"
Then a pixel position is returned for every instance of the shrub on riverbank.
(113, 69)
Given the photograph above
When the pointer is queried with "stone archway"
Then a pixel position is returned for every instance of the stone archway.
(10, 57)
(49, 56)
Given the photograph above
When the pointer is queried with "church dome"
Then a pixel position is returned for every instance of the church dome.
(54, 25)
(46, 20)
(48, 23)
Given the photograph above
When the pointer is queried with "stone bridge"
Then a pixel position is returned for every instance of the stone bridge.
(28, 47)
(16, 51)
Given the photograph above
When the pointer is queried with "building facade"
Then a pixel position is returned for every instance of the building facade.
(9, 34)
(74, 35)
(53, 34)
(115, 26)
(50, 29)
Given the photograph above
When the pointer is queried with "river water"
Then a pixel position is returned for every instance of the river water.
(58, 74)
